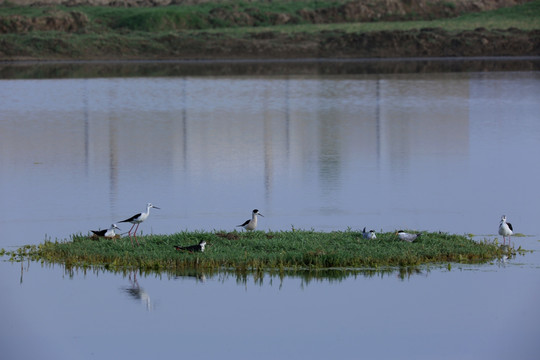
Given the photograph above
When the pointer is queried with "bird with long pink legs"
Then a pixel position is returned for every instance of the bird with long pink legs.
(137, 219)
(505, 229)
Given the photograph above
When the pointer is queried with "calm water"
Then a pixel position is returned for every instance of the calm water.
(448, 149)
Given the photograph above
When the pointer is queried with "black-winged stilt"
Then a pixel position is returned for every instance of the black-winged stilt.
(251, 224)
(193, 248)
(108, 233)
(369, 234)
(407, 236)
(505, 229)
(137, 219)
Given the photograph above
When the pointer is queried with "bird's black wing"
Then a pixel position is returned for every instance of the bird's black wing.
(510, 226)
(132, 218)
(99, 232)
(191, 248)
(244, 224)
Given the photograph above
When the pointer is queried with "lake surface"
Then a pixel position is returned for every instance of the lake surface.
(422, 145)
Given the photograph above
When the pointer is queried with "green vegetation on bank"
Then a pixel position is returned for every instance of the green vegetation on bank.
(265, 29)
(288, 16)
(251, 251)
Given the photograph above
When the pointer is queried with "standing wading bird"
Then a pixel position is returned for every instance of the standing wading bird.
(369, 235)
(136, 220)
(406, 236)
(251, 224)
(109, 233)
(193, 248)
(505, 229)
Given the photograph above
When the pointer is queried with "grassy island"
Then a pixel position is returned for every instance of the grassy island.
(258, 250)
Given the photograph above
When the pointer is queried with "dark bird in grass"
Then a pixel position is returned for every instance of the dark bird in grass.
(407, 236)
(108, 233)
(505, 229)
(192, 248)
(369, 234)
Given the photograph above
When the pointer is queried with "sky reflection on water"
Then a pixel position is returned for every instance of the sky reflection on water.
(471, 311)
(425, 152)
(436, 151)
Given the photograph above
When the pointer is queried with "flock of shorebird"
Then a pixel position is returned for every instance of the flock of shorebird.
(137, 219)
(505, 230)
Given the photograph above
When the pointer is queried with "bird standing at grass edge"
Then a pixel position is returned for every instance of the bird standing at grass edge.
(252, 223)
(137, 219)
(505, 229)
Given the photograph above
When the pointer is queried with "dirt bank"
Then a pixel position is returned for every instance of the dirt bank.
(384, 44)
(416, 43)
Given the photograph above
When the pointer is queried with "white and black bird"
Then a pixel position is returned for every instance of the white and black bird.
(137, 219)
(108, 233)
(193, 248)
(505, 229)
(369, 234)
(252, 223)
(402, 235)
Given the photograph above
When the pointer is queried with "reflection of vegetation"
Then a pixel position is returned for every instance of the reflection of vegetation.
(60, 70)
(248, 278)
(309, 254)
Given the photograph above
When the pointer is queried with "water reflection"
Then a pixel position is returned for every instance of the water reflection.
(324, 152)
(93, 69)
(137, 293)
(244, 278)
(190, 274)
(313, 148)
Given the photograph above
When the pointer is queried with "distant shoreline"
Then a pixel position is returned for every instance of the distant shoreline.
(272, 30)
(269, 60)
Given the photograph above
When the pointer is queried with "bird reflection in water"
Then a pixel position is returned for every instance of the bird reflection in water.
(191, 274)
(137, 293)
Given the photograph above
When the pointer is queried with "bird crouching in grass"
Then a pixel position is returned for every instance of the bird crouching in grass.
(192, 248)
(402, 235)
(108, 233)
(369, 234)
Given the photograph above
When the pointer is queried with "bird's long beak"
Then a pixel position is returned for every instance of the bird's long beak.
(155, 207)
(260, 214)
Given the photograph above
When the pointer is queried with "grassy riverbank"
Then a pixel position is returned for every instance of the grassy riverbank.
(242, 251)
(277, 29)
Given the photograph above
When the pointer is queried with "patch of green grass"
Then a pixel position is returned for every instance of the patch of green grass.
(190, 31)
(523, 17)
(201, 17)
(261, 251)
(174, 17)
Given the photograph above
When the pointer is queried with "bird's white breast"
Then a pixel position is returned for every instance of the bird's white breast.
(504, 229)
